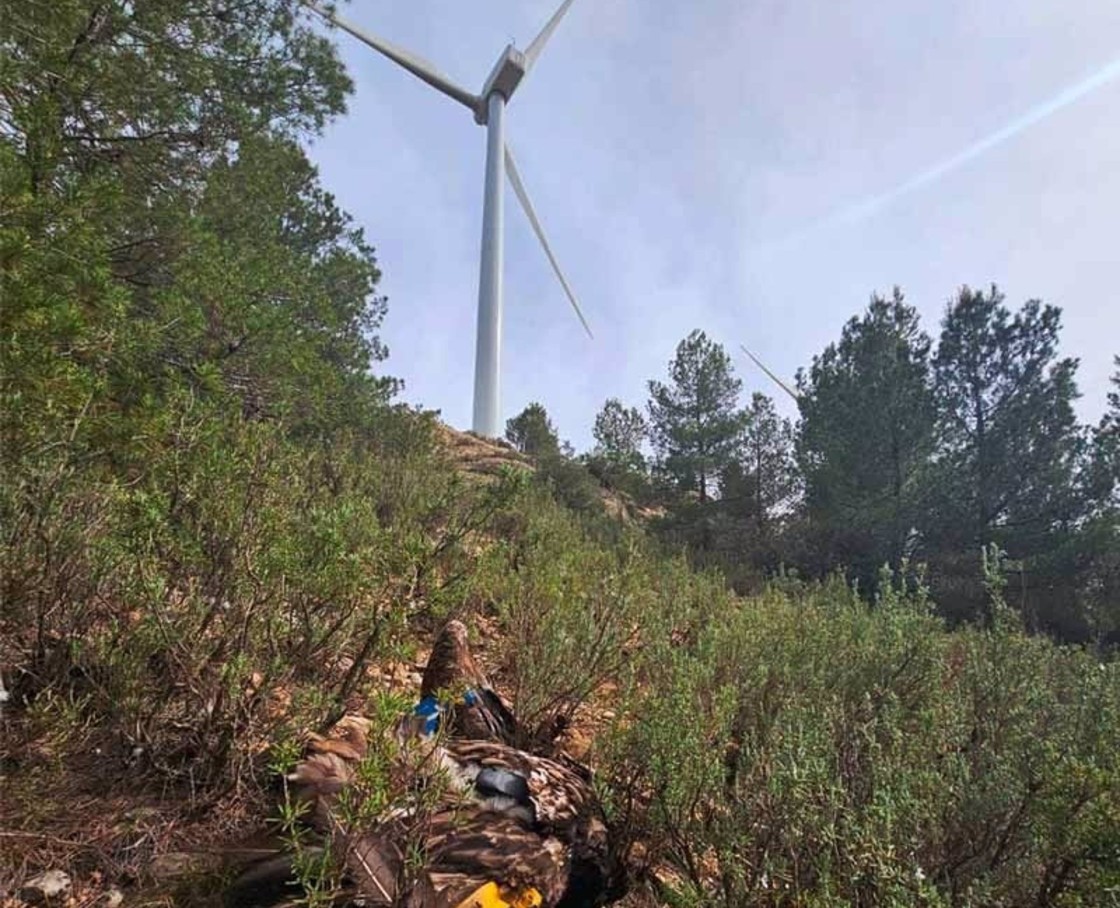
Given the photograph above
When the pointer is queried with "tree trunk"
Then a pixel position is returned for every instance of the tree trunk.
(982, 514)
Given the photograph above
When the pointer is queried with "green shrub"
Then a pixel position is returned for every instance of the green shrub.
(240, 581)
(813, 750)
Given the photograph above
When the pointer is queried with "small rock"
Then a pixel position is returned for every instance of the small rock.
(113, 898)
(46, 886)
(170, 865)
(173, 864)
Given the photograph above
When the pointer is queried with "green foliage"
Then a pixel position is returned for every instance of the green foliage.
(617, 461)
(150, 92)
(866, 429)
(239, 572)
(1093, 553)
(532, 432)
(619, 432)
(571, 483)
(1009, 446)
(903, 456)
(760, 487)
(567, 600)
(379, 791)
(568, 480)
(810, 749)
(805, 747)
(765, 470)
(287, 292)
(1105, 470)
(695, 422)
(162, 233)
(1007, 428)
(196, 508)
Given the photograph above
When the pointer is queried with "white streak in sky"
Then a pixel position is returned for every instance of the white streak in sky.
(862, 210)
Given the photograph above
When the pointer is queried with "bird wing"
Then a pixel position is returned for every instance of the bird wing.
(466, 849)
(483, 716)
(561, 797)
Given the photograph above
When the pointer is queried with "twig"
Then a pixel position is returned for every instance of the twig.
(46, 838)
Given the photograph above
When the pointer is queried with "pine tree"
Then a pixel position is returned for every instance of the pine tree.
(865, 435)
(1008, 441)
(1106, 447)
(1012, 464)
(532, 432)
(761, 482)
(695, 421)
(619, 432)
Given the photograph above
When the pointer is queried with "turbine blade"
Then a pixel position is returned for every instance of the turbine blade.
(534, 49)
(523, 198)
(781, 384)
(416, 65)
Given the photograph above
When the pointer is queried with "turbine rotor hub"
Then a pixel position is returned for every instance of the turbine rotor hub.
(503, 79)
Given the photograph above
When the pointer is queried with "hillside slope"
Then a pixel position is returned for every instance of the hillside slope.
(799, 746)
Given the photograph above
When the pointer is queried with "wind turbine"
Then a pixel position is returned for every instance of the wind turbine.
(781, 384)
(488, 107)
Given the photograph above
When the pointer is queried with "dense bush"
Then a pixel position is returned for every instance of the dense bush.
(803, 746)
(237, 567)
(809, 749)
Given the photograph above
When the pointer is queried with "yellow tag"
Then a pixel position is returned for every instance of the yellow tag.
(490, 896)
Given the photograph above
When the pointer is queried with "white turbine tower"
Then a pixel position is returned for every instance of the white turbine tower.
(488, 107)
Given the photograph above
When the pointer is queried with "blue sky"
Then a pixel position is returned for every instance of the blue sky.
(755, 169)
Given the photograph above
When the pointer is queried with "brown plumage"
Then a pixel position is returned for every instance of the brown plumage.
(451, 663)
(477, 710)
(463, 849)
(493, 813)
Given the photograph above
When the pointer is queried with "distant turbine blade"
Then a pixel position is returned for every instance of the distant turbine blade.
(534, 49)
(781, 384)
(523, 198)
(418, 66)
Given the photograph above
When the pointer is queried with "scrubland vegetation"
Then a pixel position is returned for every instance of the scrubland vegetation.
(799, 746)
(216, 525)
